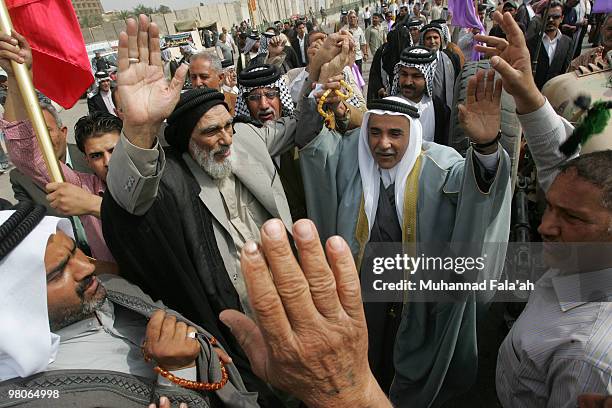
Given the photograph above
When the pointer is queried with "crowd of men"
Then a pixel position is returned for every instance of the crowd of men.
(213, 227)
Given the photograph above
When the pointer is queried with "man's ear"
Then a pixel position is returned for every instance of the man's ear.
(64, 131)
(221, 77)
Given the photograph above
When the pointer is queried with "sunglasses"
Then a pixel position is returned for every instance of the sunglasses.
(270, 95)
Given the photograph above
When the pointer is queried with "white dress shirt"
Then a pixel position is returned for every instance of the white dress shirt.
(551, 45)
(301, 41)
(108, 101)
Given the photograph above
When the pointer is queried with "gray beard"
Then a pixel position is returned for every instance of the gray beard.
(63, 316)
(206, 161)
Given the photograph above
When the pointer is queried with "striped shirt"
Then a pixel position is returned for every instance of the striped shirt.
(560, 346)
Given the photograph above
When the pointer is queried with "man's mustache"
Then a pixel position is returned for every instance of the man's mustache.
(267, 111)
(411, 87)
(80, 290)
(385, 151)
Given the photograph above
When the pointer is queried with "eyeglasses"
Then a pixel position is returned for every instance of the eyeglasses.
(270, 95)
(554, 16)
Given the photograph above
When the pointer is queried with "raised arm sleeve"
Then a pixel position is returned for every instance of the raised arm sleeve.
(545, 131)
(134, 175)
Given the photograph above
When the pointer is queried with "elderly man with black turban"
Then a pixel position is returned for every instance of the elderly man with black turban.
(177, 219)
(413, 80)
(433, 37)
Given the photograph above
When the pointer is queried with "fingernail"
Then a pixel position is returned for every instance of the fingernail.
(183, 405)
(273, 229)
(336, 243)
(152, 406)
(303, 230)
(494, 60)
(163, 400)
(251, 248)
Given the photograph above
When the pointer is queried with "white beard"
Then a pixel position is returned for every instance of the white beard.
(206, 160)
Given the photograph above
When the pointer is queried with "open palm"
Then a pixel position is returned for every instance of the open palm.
(146, 96)
(480, 115)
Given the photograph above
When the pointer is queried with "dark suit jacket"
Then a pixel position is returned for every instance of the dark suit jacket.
(442, 114)
(96, 104)
(25, 189)
(546, 69)
(295, 43)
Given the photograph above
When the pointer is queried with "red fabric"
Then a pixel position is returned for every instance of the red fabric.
(61, 67)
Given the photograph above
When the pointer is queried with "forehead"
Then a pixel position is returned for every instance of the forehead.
(49, 119)
(410, 71)
(432, 34)
(261, 90)
(573, 192)
(388, 122)
(200, 66)
(105, 141)
(58, 245)
(217, 115)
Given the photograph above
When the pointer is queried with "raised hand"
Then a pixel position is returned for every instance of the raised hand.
(14, 48)
(331, 46)
(310, 338)
(480, 115)
(146, 97)
(337, 64)
(511, 59)
(276, 46)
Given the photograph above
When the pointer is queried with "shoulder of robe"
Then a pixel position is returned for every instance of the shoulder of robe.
(443, 157)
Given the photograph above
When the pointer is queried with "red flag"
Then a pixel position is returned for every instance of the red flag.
(61, 67)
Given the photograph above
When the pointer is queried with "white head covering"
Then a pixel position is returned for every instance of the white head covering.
(27, 345)
(371, 173)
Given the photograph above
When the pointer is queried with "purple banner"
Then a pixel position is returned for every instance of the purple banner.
(602, 6)
(464, 15)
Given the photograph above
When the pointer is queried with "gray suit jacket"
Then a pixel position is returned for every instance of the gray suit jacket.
(25, 189)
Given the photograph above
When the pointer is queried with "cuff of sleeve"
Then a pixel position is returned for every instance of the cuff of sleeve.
(189, 373)
(539, 122)
(317, 88)
(145, 160)
(21, 129)
(488, 161)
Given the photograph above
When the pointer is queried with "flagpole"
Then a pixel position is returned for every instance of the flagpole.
(26, 88)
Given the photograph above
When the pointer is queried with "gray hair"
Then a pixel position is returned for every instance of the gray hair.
(215, 61)
(52, 111)
(596, 168)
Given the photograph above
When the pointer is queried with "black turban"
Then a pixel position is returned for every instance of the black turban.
(192, 105)
(414, 23)
(432, 26)
(259, 75)
(393, 106)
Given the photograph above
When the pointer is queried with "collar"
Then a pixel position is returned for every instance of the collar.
(106, 315)
(580, 288)
(546, 38)
(68, 160)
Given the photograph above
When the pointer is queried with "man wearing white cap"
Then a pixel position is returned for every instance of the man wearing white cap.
(79, 321)
(384, 183)
(102, 101)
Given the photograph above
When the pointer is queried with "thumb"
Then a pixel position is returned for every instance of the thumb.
(505, 70)
(50, 187)
(462, 112)
(249, 338)
(179, 79)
